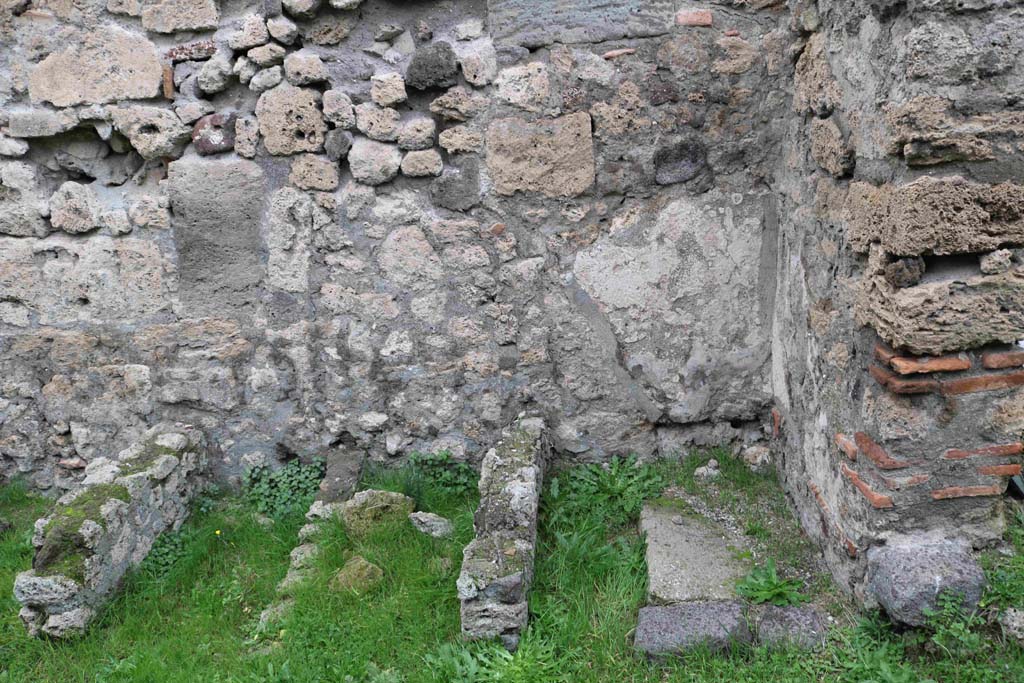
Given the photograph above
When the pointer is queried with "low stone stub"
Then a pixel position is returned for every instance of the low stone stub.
(942, 316)
(907, 575)
(99, 532)
(935, 216)
(497, 566)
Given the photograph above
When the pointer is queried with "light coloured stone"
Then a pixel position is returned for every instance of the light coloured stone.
(303, 68)
(357, 575)
(469, 29)
(21, 205)
(387, 89)
(461, 139)
(171, 16)
(282, 29)
(252, 33)
(103, 64)
(301, 9)
(369, 509)
(267, 55)
(417, 133)
(265, 79)
(459, 104)
(479, 62)
(338, 109)
(12, 147)
(526, 86)
(154, 133)
(290, 120)
(372, 162)
(431, 524)
(377, 123)
(215, 74)
(552, 156)
(247, 136)
(312, 172)
(74, 208)
(425, 162)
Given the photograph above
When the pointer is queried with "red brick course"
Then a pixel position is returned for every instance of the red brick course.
(1015, 448)
(1000, 470)
(989, 382)
(847, 445)
(967, 491)
(908, 366)
(877, 500)
(693, 17)
(899, 385)
(877, 454)
(996, 360)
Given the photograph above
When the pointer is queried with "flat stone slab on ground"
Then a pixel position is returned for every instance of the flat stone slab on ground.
(689, 557)
(716, 624)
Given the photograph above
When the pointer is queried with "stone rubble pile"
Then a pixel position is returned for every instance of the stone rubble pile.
(497, 566)
(98, 533)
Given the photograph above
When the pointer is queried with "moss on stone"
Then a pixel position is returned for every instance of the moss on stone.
(63, 550)
(151, 453)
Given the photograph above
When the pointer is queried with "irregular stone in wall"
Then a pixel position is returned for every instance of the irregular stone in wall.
(291, 120)
(74, 208)
(303, 68)
(105, 406)
(551, 156)
(217, 206)
(930, 130)
(214, 133)
(479, 61)
(432, 66)
(387, 89)
(372, 162)
(814, 88)
(525, 86)
(338, 109)
(953, 311)
(104, 64)
(408, 260)
(497, 566)
(377, 123)
(311, 172)
(252, 33)
(289, 237)
(417, 133)
(100, 532)
(171, 16)
(21, 208)
(459, 104)
(426, 162)
(154, 133)
(531, 24)
(458, 188)
(829, 148)
(57, 278)
(947, 215)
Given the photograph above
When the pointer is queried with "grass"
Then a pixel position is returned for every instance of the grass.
(194, 619)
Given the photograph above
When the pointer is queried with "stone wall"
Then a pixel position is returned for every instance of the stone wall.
(895, 365)
(334, 228)
(374, 227)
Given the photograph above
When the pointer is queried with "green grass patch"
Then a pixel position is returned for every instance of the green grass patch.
(190, 613)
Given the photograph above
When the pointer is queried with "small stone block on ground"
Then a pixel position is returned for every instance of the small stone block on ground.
(800, 626)
(689, 557)
(667, 630)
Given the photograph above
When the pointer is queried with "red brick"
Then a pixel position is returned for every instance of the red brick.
(877, 500)
(732, 33)
(997, 360)
(1015, 448)
(1000, 470)
(693, 17)
(851, 549)
(989, 382)
(967, 491)
(621, 52)
(847, 445)
(883, 352)
(168, 82)
(908, 366)
(877, 454)
(899, 385)
(776, 423)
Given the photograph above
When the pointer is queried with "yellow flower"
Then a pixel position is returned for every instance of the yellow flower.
(217, 532)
